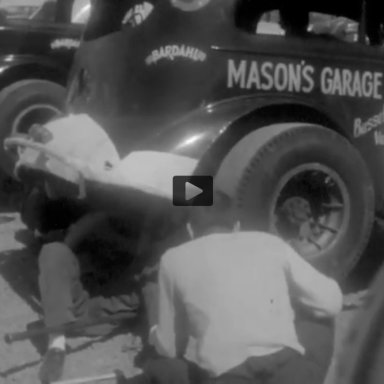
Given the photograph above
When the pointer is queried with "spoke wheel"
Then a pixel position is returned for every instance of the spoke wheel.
(306, 184)
(311, 209)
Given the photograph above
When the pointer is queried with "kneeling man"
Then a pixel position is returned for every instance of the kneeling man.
(239, 295)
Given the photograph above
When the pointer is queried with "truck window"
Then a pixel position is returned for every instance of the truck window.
(289, 21)
(106, 18)
(269, 24)
(45, 12)
(341, 28)
(261, 18)
(111, 16)
(81, 11)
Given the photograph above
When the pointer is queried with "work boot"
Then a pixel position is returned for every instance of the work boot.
(52, 367)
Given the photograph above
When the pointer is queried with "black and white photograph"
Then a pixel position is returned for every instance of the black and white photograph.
(191, 192)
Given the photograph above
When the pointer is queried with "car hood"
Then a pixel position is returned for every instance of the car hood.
(80, 152)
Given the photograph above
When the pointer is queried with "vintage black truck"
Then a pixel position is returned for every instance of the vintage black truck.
(38, 39)
(290, 125)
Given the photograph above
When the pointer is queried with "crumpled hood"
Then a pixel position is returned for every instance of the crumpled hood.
(79, 151)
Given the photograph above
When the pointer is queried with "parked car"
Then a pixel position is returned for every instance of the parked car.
(38, 40)
(18, 8)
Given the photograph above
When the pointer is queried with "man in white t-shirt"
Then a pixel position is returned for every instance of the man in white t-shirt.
(237, 294)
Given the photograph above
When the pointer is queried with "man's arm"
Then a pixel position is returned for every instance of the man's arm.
(86, 225)
(313, 290)
(99, 223)
(169, 335)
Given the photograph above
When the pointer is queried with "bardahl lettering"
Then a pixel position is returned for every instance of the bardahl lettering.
(361, 128)
(171, 52)
(301, 78)
(65, 43)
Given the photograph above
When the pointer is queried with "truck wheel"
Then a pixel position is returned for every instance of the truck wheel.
(23, 104)
(306, 184)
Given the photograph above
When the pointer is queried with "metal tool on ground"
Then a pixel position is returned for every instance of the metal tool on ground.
(10, 338)
(89, 379)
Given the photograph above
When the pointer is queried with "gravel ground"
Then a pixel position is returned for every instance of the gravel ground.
(19, 307)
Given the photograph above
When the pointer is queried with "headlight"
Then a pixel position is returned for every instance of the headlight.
(190, 5)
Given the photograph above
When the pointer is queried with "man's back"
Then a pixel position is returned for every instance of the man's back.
(236, 289)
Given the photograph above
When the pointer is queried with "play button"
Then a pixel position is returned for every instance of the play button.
(193, 190)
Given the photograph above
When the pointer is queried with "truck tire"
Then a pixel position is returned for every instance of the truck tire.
(307, 184)
(23, 104)
(362, 352)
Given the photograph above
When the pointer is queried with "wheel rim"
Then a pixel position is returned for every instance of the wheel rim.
(311, 209)
(34, 114)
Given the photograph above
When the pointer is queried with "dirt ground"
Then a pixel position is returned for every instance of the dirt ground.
(19, 308)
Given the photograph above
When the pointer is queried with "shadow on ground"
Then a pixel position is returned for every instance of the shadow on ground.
(19, 269)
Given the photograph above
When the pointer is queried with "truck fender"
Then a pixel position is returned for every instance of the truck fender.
(208, 133)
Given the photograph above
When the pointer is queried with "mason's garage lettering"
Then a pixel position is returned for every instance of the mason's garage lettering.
(269, 76)
(304, 78)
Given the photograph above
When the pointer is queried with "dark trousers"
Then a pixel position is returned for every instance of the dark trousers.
(284, 367)
(66, 297)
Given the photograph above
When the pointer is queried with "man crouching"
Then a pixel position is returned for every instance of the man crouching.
(258, 312)
(85, 277)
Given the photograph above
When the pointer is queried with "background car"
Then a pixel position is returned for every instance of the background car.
(19, 8)
(38, 40)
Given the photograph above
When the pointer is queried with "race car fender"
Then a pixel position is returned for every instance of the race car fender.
(208, 133)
